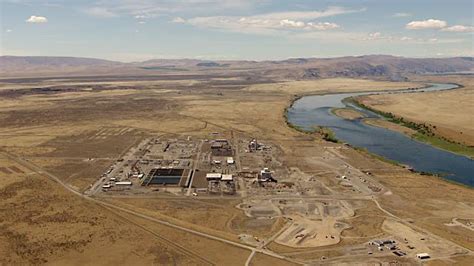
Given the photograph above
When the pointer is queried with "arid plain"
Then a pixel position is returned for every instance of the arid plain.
(58, 136)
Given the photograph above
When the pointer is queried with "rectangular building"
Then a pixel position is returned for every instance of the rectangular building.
(213, 176)
(227, 178)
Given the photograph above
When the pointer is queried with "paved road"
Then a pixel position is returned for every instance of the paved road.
(458, 223)
(254, 250)
(195, 164)
(249, 259)
(468, 251)
(97, 186)
(40, 171)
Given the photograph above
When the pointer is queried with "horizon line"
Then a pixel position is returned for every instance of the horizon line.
(243, 60)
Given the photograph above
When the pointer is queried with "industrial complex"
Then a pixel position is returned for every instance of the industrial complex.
(248, 169)
(199, 168)
(187, 166)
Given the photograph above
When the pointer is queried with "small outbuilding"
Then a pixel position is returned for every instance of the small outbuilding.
(123, 183)
(423, 256)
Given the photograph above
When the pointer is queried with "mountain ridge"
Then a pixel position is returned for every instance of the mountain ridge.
(389, 66)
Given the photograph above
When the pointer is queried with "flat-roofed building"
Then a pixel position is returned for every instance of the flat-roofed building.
(423, 256)
(123, 183)
(213, 176)
(227, 177)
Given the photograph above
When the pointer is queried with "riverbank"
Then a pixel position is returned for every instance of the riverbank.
(300, 89)
(449, 111)
(376, 122)
(347, 113)
(423, 132)
(306, 112)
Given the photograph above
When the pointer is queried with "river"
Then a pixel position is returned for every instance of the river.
(315, 110)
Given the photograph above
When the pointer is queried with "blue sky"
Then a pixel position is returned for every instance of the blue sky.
(134, 30)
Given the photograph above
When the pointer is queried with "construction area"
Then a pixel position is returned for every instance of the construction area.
(316, 207)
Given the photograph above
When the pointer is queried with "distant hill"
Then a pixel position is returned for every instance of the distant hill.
(382, 66)
(377, 65)
(57, 65)
(11, 62)
(211, 64)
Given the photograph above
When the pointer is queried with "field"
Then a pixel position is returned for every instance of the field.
(54, 144)
(390, 125)
(447, 112)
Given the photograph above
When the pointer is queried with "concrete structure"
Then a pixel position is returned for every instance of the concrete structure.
(265, 176)
(213, 176)
(423, 256)
(123, 183)
(227, 178)
(165, 176)
(399, 253)
(381, 243)
(254, 146)
(221, 147)
(230, 160)
(201, 190)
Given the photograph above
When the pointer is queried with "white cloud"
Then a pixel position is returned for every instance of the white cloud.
(323, 25)
(257, 25)
(378, 36)
(178, 20)
(271, 23)
(145, 16)
(426, 24)
(402, 15)
(8, 30)
(292, 24)
(143, 9)
(286, 23)
(459, 28)
(101, 12)
(308, 15)
(439, 25)
(141, 22)
(37, 19)
(373, 36)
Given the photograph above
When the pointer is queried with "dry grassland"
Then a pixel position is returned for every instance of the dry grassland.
(41, 222)
(347, 113)
(392, 126)
(335, 85)
(450, 111)
(428, 201)
(227, 221)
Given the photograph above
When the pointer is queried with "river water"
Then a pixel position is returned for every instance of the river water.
(310, 111)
